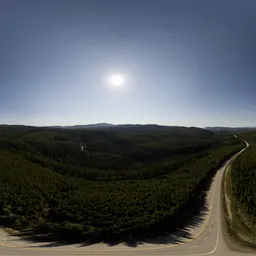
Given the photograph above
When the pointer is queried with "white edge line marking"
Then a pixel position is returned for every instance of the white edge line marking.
(218, 229)
(193, 246)
(217, 241)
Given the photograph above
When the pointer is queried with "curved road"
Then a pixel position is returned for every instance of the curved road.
(204, 237)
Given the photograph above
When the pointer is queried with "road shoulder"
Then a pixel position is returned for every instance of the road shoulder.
(231, 239)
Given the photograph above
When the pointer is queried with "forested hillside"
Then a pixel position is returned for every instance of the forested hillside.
(243, 185)
(114, 182)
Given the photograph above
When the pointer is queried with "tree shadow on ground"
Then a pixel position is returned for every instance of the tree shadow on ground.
(177, 235)
(176, 231)
(187, 220)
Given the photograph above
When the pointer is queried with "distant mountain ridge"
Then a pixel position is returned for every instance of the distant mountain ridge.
(98, 125)
(83, 126)
(137, 126)
(127, 126)
(228, 129)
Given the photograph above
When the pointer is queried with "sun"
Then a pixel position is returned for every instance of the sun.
(116, 80)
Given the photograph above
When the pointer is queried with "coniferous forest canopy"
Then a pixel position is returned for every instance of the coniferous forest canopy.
(243, 183)
(112, 182)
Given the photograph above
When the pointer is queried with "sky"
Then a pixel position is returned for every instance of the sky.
(188, 63)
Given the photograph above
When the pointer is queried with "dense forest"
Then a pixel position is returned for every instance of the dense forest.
(243, 183)
(122, 181)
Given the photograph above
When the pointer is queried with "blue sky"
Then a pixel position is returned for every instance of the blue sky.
(186, 63)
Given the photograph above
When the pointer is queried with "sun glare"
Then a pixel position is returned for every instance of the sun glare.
(116, 80)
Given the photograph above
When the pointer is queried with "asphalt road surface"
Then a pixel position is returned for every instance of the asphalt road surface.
(204, 236)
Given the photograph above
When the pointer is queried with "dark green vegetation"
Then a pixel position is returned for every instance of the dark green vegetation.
(243, 191)
(129, 181)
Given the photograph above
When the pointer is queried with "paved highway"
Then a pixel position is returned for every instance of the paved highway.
(203, 237)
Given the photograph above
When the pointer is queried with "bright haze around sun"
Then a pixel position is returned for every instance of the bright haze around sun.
(116, 81)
